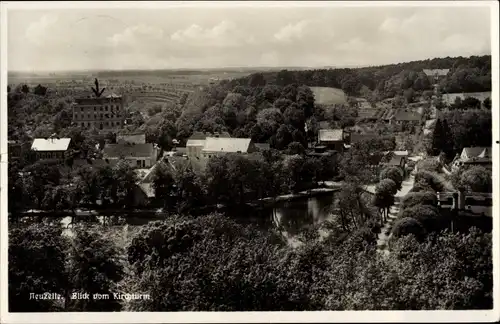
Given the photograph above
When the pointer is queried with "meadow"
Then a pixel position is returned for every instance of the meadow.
(329, 96)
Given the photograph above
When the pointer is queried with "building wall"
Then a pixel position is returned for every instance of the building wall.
(333, 145)
(101, 113)
(49, 155)
(135, 162)
(194, 151)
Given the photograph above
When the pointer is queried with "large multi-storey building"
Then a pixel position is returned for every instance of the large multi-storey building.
(99, 112)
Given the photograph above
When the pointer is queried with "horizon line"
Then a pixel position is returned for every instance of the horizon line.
(345, 66)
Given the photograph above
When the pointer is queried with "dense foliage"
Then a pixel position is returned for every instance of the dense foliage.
(466, 75)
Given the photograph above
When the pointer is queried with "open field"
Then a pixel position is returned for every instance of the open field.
(329, 96)
(160, 77)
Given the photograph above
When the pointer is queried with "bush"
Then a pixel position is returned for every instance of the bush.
(476, 179)
(422, 186)
(426, 215)
(407, 226)
(431, 179)
(419, 198)
(393, 173)
(430, 164)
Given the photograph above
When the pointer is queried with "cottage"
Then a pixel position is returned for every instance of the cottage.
(333, 139)
(403, 116)
(472, 156)
(50, 148)
(196, 142)
(138, 155)
(216, 146)
(435, 75)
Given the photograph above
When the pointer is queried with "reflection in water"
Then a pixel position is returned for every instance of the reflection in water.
(290, 218)
(294, 216)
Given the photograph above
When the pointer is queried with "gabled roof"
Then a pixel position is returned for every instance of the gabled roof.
(438, 72)
(50, 144)
(478, 152)
(407, 115)
(128, 150)
(328, 135)
(223, 144)
(136, 139)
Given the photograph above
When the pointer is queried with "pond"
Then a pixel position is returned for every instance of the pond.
(288, 217)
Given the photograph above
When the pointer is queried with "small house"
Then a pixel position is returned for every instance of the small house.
(216, 146)
(474, 156)
(332, 139)
(50, 148)
(138, 155)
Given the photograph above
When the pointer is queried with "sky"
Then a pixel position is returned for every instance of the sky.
(196, 37)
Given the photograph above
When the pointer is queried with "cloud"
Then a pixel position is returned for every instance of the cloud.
(292, 32)
(39, 30)
(86, 39)
(224, 34)
(133, 35)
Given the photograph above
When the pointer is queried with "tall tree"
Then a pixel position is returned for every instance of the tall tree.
(95, 268)
(36, 266)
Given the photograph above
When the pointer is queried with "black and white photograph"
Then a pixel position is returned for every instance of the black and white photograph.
(271, 157)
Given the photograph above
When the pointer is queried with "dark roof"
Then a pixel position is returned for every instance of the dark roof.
(362, 137)
(262, 146)
(127, 150)
(407, 115)
(396, 160)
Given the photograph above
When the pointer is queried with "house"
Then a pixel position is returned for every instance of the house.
(357, 138)
(333, 139)
(435, 75)
(215, 146)
(472, 156)
(196, 142)
(132, 139)
(138, 155)
(50, 148)
(407, 116)
(99, 112)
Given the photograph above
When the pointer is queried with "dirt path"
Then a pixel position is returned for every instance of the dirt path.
(385, 233)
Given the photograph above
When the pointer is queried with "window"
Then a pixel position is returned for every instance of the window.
(100, 108)
(81, 108)
(106, 108)
(95, 108)
(139, 163)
